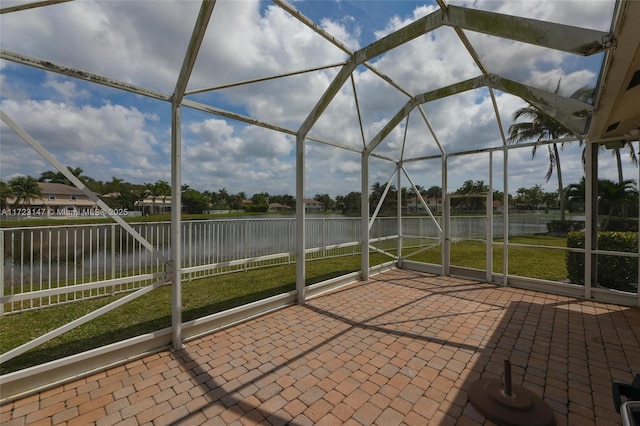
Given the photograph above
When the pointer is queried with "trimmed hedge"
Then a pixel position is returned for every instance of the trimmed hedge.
(616, 272)
(564, 226)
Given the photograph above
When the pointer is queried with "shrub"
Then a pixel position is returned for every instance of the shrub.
(564, 226)
(256, 208)
(622, 224)
(616, 272)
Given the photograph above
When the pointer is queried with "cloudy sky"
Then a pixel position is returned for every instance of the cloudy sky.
(108, 132)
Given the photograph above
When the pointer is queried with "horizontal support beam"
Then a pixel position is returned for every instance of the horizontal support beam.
(261, 79)
(442, 92)
(569, 112)
(79, 74)
(234, 116)
(33, 5)
(79, 287)
(566, 38)
(452, 89)
(397, 38)
(572, 113)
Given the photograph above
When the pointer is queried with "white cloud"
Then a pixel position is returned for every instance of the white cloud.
(569, 83)
(67, 89)
(247, 158)
(87, 137)
(396, 22)
(340, 32)
(144, 43)
(61, 126)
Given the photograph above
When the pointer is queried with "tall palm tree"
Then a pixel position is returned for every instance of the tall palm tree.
(25, 188)
(223, 197)
(377, 189)
(541, 127)
(627, 146)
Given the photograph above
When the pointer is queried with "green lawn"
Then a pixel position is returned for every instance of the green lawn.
(205, 296)
(531, 262)
(152, 311)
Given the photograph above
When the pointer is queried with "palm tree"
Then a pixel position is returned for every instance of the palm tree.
(377, 189)
(411, 192)
(614, 196)
(325, 199)
(576, 193)
(25, 188)
(541, 127)
(114, 186)
(162, 188)
(58, 177)
(159, 189)
(5, 191)
(435, 192)
(223, 198)
(627, 146)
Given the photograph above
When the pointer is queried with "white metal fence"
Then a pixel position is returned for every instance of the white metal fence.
(44, 266)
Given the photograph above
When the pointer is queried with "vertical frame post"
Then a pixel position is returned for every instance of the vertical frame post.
(399, 214)
(2, 254)
(364, 218)
(446, 220)
(300, 220)
(505, 216)
(638, 289)
(489, 222)
(176, 225)
(591, 217)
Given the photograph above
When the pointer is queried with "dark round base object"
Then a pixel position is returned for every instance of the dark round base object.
(522, 408)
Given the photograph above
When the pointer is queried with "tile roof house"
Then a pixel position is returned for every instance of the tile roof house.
(277, 207)
(414, 205)
(159, 204)
(58, 200)
(312, 205)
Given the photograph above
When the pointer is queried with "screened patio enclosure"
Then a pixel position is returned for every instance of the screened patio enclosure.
(427, 100)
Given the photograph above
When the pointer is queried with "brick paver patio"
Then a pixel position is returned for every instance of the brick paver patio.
(401, 349)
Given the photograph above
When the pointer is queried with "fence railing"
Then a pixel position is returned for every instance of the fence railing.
(45, 266)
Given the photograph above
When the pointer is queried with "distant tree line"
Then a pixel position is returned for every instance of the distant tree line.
(615, 198)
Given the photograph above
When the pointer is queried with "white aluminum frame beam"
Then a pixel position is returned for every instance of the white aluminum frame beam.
(453, 89)
(93, 197)
(364, 217)
(199, 30)
(261, 79)
(570, 112)
(424, 204)
(73, 179)
(32, 5)
(382, 198)
(77, 322)
(80, 74)
(566, 38)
